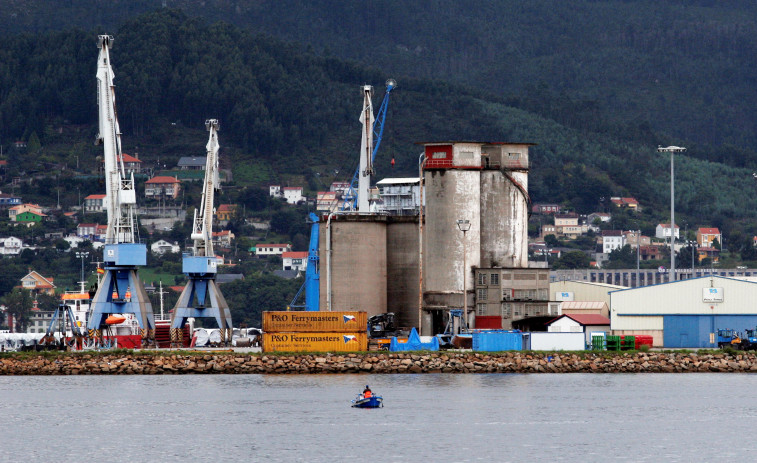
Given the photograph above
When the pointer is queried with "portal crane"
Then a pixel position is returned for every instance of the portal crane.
(356, 197)
(120, 291)
(201, 296)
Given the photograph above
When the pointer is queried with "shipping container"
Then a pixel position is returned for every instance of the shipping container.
(315, 342)
(497, 340)
(315, 322)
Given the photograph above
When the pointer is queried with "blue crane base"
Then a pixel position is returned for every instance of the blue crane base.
(122, 292)
(201, 298)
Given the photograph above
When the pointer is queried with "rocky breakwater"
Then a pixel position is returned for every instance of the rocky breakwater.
(374, 362)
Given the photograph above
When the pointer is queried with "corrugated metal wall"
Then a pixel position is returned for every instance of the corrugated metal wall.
(694, 330)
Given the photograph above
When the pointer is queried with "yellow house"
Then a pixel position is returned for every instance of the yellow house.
(705, 236)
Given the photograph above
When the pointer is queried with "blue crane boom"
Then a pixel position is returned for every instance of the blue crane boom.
(311, 286)
(351, 195)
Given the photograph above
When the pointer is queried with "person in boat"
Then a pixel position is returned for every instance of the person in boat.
(367, 394)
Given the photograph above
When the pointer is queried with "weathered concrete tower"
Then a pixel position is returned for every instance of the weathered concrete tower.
(486, 184)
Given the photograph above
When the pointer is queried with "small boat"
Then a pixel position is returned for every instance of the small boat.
(115, 319)
(375, 401)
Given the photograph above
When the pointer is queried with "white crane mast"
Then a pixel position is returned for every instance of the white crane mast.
(366, 151)
(120, 196)
(202, 226)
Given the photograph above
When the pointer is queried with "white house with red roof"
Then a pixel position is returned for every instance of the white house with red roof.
(705, 236)
(264, 249)
(94, 203)
(579, 323)
(295, 260)
(162, 187)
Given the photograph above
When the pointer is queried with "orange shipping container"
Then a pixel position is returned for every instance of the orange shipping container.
(315, 322)
(315, 342)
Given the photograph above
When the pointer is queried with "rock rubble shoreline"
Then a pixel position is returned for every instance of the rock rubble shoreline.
(138, 363)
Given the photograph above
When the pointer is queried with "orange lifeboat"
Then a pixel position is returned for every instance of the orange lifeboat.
(115, 319)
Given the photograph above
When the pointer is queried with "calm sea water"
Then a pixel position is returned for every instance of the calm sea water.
(448, 418)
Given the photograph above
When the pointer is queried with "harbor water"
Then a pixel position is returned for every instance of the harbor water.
(434, 417)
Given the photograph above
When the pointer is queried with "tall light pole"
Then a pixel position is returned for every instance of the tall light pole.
(672, 150)
(82, 255)
(464, 226)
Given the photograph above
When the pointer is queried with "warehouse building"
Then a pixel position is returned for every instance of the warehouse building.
(685, 313)
(581, 291)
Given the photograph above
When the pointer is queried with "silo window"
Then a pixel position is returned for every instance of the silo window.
(495, 278)
(513, 156)
(482, 278)
(439, 155)
(466, 155)
(483, 294)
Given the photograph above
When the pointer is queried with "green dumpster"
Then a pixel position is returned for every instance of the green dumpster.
(613, 342)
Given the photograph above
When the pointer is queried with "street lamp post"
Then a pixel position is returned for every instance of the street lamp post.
(82, 255)
(464, 226)
(672, 150)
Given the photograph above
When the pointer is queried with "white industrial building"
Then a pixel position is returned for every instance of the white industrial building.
(685, 313)
(400, 196)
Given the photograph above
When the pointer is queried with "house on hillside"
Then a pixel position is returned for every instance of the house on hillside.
(8, 200)
(271, 249)
(192, 163)
(132, 164)
(15, 210)
(162, 187)
(94, 203)
(10, 246)
(226, 212)
(629, 203)
(326, 201)
(612, 240)
(545, 208)
(29, 218)
(663, 231)
(223, 238)
(294, 260)
(36, 283)
(293, 194)
(706, 236)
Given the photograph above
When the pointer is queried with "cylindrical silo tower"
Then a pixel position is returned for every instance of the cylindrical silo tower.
(504, 205)
(452, 178)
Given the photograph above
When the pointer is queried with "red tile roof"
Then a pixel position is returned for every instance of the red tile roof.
(709, 231)
(295, 254)
(129, 158)
(163, 179)
(95, 197)
(272, 245)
